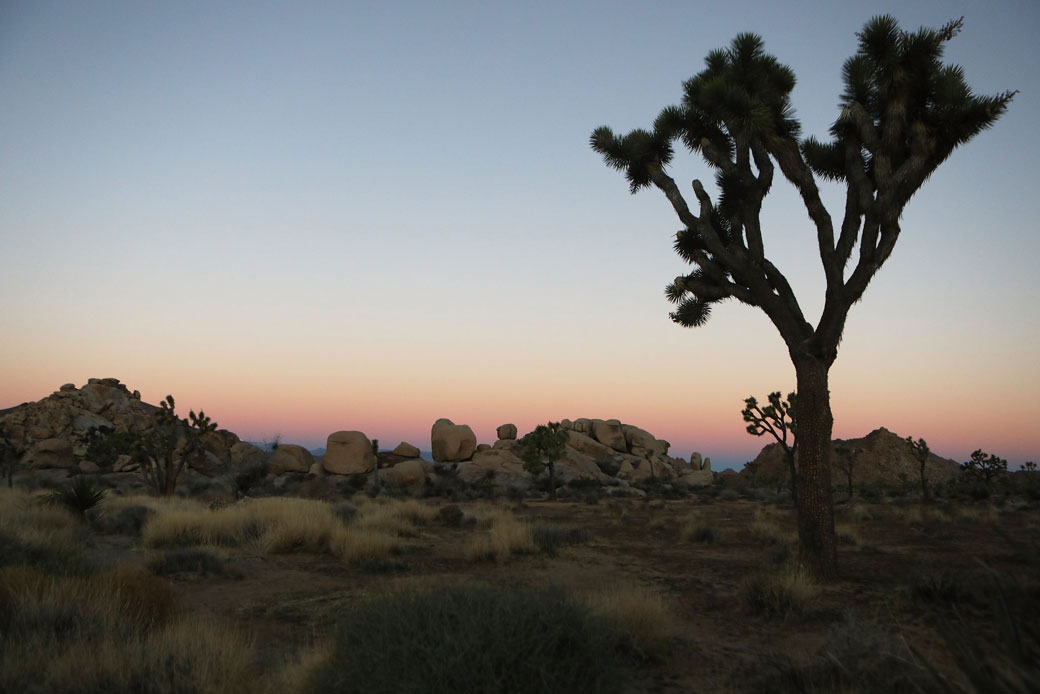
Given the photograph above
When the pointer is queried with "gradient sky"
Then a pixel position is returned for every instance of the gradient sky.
(308, 217)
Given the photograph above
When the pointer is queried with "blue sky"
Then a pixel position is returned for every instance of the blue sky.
(307, 217)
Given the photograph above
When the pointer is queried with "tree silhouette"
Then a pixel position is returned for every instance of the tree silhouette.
(170, 444)
(777, 420)
(903, 112)
(921, 452)
(845, 461)
(542, 448)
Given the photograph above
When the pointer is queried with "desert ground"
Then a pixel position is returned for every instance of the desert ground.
(696, 594)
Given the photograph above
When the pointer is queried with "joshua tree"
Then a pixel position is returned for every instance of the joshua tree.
(9, 457)
(777, 420)
(170, 443)
(903, 112)
(984, 467)
(846, 462)
(542, 448)
(921, 453)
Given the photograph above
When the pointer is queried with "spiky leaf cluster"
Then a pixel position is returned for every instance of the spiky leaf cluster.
(902, 113)
(919, 448)
(902, 110)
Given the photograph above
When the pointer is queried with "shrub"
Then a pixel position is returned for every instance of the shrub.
(695, 530)
(469, 639)
(786, 593)
(450, 516)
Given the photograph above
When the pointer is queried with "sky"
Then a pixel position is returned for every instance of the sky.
(311, 217)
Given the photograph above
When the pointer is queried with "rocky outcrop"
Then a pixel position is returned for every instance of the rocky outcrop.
(609, 433)
(880, 457)
(72, 415)
(348, 453)
(452, 442)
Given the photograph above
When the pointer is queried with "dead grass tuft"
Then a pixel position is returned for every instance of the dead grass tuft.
(506, 536)
(789, 592)
(642, 615)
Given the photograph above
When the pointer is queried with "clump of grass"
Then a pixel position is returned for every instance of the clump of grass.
(765, 527)
(550, 538)
(194, 561)
(944, 588)
(469, 640)
(401, 518)
(781, 594)
(983, 515)
(694, 529)
(365, 544)
(640, 615)
(847, 534)
(506, 536)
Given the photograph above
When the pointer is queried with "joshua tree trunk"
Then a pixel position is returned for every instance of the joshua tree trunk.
(818, 550)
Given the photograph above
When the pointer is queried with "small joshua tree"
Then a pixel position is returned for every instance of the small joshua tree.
(984, 467)
(542, 448)
(170, 444)
(777, 420)
(921, 453)
(846, 462)
(10, 454)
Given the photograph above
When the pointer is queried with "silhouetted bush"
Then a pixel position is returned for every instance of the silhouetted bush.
(79, 497)
(196, 561)
(125, 520)
(550, 538)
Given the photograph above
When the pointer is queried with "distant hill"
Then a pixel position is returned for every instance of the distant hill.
(879, 457)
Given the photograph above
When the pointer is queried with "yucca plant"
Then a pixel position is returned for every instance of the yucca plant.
(79, 497)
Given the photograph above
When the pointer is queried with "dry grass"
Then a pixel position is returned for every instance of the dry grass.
(111, 631)
(984, 515)
(694, 529)
(642, 615)
(784, 593)
(848, 534)
(279, 525)
(766, 526)
(505, 535)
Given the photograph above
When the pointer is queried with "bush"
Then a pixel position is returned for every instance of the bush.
(468, 639)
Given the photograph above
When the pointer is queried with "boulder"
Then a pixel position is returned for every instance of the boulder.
(695, 460)
(582, 425)
(289, 457)
(316, 470)
(482, 447)
(410, 474)
(406, 450)
(348, 453)
(125, 463)
(706, 465)
(626, 470)
(575, 465)
(661, 471)
(452, 442)
(89, 467)
(207, 464)
(511, 445)
(697, 478)
(245, 455)
(506, 432)
(51, 453)
(609, 433)
(498, 465)
(590, 447)
(641, 442)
